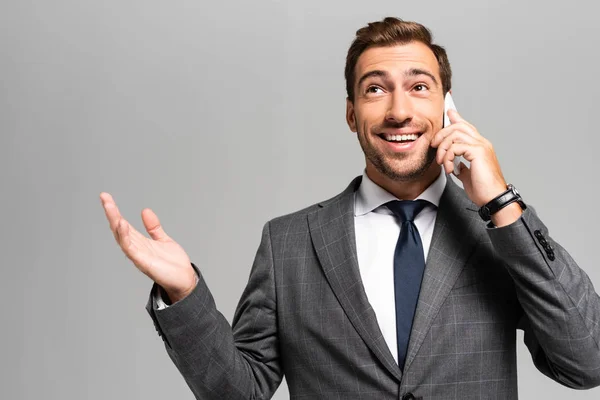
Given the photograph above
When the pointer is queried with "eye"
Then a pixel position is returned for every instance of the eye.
(421, 86)
(374, 89)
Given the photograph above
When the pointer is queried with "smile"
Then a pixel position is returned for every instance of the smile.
(400, 138)
(400, 143)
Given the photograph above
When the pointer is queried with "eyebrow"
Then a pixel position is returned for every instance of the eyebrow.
(376, 72)
(418, 71)
(409, 73)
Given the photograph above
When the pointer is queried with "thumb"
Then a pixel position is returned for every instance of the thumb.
(152, 225)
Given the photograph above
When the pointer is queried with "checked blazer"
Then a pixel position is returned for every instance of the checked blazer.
(304, 313)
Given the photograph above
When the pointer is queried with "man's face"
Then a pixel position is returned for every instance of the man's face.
(398, 91)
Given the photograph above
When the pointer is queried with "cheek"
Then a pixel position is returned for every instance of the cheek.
(361, 123)
(369, 116)
(434, 124)
(432, 113)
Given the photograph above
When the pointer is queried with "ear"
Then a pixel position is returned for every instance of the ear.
(350, 116)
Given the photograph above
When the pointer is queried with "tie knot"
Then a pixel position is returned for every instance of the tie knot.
(406, 210)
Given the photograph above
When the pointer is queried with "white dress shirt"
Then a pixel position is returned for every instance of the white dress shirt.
(377, 230)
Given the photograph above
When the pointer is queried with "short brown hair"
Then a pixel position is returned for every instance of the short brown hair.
(389, 32)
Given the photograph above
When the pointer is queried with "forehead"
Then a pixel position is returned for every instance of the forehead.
(397, 58)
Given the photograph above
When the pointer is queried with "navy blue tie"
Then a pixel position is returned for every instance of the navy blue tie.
(409, 264)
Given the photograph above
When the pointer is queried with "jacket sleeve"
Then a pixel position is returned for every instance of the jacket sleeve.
(219, 361)
(561, 309)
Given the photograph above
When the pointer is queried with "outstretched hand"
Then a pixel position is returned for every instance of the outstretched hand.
(159, 257)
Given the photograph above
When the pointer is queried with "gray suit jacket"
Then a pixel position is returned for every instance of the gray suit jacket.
(305, 314)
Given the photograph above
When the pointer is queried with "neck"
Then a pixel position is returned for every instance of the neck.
(405, 190)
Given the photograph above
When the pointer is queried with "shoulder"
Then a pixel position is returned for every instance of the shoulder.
(298, 220)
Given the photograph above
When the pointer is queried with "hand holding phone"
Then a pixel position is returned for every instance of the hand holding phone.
(482, 179)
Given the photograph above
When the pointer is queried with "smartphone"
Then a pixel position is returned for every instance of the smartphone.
(449, 105)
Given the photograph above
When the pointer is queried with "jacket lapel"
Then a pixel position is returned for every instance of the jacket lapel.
(332, 234)
(456, 232)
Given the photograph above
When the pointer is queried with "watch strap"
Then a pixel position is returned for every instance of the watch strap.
(510, 196)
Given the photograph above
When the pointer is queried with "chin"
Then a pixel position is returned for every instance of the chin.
(404, 170)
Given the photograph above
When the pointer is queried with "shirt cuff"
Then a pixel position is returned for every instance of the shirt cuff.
(160, 303)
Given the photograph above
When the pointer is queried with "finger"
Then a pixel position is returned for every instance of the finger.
(130, 240)
(152, 225)
(456, 149)
(448, 161)
(112, 214)
(106, 198)
(136, 246)
(455, 137)
(123, 232)
(449, 130)
(115, 218)
(455, 117)
(460, 120)
(111, 210)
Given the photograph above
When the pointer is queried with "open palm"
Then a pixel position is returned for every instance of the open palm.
(159, 257)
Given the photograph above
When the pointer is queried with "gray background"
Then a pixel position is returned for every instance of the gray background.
(220, 116)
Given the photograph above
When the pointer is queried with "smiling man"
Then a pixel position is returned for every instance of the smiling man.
(403, 286)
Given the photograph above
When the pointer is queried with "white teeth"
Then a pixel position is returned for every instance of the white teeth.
(400, 138)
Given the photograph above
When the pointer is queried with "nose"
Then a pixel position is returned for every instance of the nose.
(400, 107)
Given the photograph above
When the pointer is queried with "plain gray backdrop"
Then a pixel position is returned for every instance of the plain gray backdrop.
(220, 116)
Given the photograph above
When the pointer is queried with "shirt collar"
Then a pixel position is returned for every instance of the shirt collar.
(370, 196)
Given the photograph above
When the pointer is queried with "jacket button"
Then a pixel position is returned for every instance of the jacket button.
(538, 234)
(550, 254)
(408, 396)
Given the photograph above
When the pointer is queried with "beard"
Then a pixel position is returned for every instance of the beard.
(400, 167)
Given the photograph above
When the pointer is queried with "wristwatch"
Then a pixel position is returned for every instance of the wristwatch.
(510, 196)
